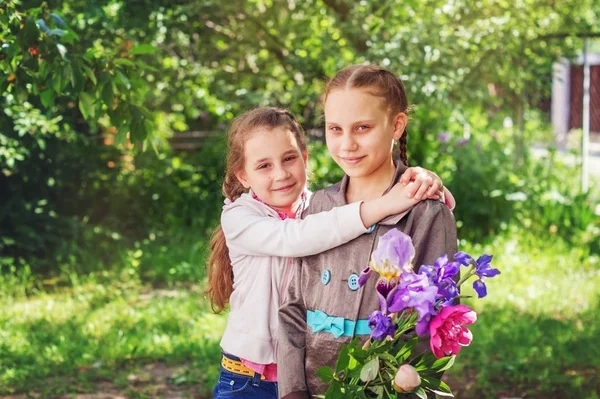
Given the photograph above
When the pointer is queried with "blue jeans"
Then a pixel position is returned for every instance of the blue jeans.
(231, 385)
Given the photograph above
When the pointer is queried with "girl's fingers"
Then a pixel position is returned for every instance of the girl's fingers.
(434, 189)
(407, 176)
(411, 189)
(421, 193)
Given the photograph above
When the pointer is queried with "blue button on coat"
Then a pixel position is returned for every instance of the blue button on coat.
(325, 277)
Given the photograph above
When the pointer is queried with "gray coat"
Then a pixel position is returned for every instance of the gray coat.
(301, 352)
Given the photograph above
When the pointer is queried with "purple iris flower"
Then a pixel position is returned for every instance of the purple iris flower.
(447, 291)
(442, 274)
(394, 251)
(441, 269)
(394, 254)
(483, 269)
(414, 291)
(381, 325)
(463, 258)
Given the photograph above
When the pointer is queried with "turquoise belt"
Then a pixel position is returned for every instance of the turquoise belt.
(337, 326)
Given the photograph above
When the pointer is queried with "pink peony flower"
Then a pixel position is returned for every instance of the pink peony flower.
(448, 331)
(406, 379)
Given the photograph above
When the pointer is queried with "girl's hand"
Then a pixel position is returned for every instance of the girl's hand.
(423, 184)
(397, 200)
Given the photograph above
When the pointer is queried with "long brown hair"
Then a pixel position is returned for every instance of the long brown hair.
(384, 83)
(220, 272)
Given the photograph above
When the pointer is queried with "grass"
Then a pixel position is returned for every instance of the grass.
(536, 336)
(72, 339)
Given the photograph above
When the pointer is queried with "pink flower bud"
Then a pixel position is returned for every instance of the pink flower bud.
(406, 379)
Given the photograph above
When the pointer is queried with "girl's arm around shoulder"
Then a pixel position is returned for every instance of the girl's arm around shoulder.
(249, 231)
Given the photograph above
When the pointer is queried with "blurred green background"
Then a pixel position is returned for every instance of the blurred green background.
(112, 132)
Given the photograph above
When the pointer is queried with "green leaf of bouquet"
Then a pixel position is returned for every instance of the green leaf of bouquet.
(381, 347)
(343, 358)
(334, 391)
(404, 350)
(436, 385)
(420, 392)
(325, 374)
(444, 363)
(369, 370)
(352, 363)
(377, 390)
(443, 390)
(388, 357)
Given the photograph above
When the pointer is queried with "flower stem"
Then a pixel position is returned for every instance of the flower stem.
(470, 272)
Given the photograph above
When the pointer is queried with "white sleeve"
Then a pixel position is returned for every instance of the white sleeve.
(249, 233)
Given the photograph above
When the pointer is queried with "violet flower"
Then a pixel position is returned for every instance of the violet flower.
(414, 291)
(382, 326)
(393, 255)
(483, 269)
(442, 274)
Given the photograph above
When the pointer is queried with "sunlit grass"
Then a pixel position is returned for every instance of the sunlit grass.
(104, 331)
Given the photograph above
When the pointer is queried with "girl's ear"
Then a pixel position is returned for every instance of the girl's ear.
(400, 122)
(305, 156)
(241, 176)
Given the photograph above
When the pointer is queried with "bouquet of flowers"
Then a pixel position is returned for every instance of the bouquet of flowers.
(418, 330)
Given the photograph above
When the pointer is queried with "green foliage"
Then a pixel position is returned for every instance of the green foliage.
(47, 65)
(89, 204)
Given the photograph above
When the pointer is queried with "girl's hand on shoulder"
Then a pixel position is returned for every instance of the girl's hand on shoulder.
(422, 184)
(397, 200)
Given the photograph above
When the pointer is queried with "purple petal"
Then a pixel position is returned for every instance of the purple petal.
(429, 271)
(463, 258)
(423, 326)
(382, 303)
(441, 261)
(450, 270)
(480, 288)
(488, 272)
(447, 291)
(394, 247)
(384, 287)
(364, 277)
(484, 260)
(381, 325)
